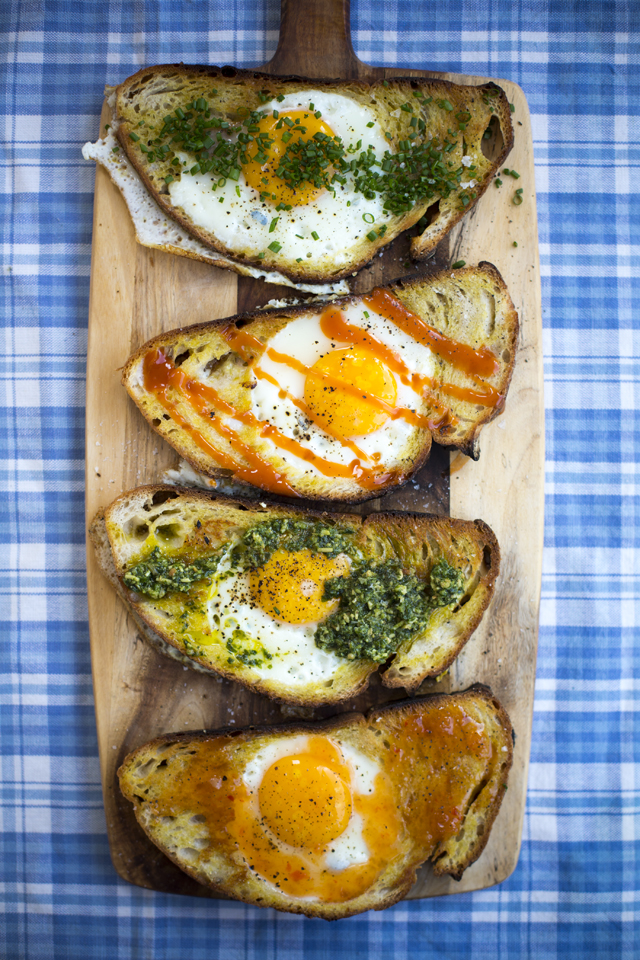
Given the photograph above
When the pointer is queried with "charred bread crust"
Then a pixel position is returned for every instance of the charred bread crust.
(416, 539)
(464, 437)
(451, 858)
(421, 246)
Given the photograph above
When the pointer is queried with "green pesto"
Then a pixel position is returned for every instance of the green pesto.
(286, 533)
(158, 575)
(381, 606)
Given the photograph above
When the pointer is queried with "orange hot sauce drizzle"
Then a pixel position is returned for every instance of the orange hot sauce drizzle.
(160, 375)
(476, 363)
(393, 412)
(302, 406)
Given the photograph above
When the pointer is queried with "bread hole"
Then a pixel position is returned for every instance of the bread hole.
(169, 532)
(403, 669)
(141, 799)
(385, 743)
(134, 530)
(432, 212)
(165, 746)
(167, 819)
(228, 71)
(213, 365)
(198, 818)
(506, 355)
(156, 422)
(163, 763)
(188, 853)
(487, 557)
(180, 359)
(201, 843)
(143, 769)
(328, 683)
(462, 602)
(492, 142)
(165, 416)
(161, 496)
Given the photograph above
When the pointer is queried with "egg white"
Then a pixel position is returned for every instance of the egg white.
(242, 222)
(350, 848)
(295, 661)
(304, 340)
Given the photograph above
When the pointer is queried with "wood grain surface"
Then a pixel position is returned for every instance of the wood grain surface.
(137, 292)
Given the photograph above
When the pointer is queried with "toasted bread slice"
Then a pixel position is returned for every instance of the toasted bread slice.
(232, 396)
(244, 813)
(278, 654)
(436, 125)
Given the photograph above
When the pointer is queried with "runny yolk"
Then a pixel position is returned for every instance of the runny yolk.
(289, 586)
(304, 802)
(347, 411)
(263, 178)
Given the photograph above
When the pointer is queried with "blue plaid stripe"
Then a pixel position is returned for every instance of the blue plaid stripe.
(575, 891)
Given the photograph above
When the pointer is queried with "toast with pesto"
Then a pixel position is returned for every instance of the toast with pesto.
(305, 178)
(298, 605)
(328, 819)
(337, 400)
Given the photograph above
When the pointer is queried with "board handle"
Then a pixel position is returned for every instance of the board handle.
(315, 40)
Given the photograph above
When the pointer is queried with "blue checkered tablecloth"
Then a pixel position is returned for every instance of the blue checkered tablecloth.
(575, 891)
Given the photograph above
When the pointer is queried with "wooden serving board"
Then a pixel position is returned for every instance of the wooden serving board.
(137, 293)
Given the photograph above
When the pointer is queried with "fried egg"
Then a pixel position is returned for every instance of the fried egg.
(268, 617)
(315, 817)
(323, 392)
(321, 224)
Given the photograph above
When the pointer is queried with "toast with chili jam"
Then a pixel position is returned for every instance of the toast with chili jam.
(337, 400)
(305, 178)
(332, 818)
(298, 605)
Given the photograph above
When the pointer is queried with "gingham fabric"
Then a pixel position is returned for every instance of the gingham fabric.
(574, 893)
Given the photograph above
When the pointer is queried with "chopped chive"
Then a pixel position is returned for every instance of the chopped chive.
(517, 199)
(275, 246)
(515, 243)
(512, 107)
(280, 98)
(237, 190)
(372, 235)
(134, 136)
(498, 182)
(273, 224)
(371, 124)
(385, 83)
(368, 217)
(506, 171)
(261, 255)
(458, 264)
(366, 314)
(312, 106)
(298, 259)
(299, 236)
(168, 179)
(317, 114)
(314, 235)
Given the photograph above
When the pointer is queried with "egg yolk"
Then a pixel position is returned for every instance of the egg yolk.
(305, 803)
(344, 399)
(263, 177)
(289, 586)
